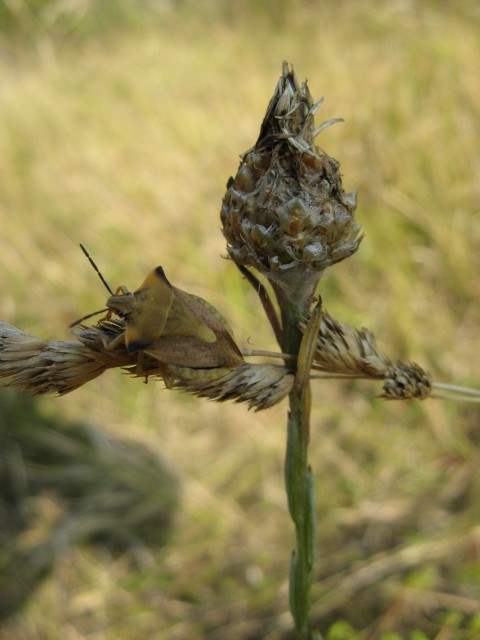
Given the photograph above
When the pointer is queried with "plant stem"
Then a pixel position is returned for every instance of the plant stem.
(298, 477)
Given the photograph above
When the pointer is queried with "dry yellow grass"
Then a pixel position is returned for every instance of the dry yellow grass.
(124, 141)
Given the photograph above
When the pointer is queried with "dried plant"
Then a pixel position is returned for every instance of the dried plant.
(285, 214)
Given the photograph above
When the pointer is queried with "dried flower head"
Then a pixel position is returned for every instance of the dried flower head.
(285, 212)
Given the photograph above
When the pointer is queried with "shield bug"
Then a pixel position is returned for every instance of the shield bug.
(170, 325)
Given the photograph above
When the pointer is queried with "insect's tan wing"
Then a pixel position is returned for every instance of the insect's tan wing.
(184, 351)
(196, 335)
(204, 311)
(189, 351)
(224, 346)
(185, 319)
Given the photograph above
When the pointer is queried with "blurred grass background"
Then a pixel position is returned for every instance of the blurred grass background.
(121, 122)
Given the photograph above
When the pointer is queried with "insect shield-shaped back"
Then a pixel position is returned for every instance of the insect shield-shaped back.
(173, 326)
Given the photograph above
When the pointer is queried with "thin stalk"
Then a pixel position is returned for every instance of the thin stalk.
(264, 299)
(298, 475)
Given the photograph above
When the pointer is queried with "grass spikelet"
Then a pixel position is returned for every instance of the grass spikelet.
(259, 385)
(61, 366)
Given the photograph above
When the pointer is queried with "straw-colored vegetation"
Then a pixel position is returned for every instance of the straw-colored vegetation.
(164, 516)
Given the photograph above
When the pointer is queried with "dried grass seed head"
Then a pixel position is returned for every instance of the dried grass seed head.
(260, 386)
(404, 381)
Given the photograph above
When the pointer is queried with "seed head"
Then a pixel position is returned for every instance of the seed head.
(285, 212)
(406, 381)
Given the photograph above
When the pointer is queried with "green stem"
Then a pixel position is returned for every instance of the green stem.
(299, 484)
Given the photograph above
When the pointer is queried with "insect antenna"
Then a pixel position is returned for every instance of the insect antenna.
(89, 315)
(90, 259)
(95, 313)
